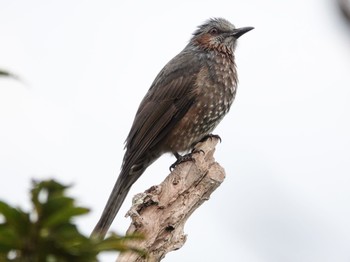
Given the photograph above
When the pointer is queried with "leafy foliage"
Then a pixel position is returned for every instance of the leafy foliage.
(46, 233)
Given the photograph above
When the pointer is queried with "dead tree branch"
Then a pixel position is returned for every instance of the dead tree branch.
(160, 213)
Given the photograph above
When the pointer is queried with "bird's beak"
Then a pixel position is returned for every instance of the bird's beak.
(241, 31)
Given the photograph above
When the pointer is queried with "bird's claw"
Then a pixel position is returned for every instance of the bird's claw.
(188, 157)
(211, 136)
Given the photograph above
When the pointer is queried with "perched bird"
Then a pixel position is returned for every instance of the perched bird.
(186, 101)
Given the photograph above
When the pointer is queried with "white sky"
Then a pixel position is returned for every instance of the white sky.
(286, 146)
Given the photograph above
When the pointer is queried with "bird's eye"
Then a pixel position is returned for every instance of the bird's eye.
(213, 31)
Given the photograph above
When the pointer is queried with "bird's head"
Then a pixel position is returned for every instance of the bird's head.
(218, 34)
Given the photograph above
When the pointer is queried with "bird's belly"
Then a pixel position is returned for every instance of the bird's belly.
(199, 121)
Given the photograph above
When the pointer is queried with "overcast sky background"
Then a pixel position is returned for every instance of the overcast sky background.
(85, 67)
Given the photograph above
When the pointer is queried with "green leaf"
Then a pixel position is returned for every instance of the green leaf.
(8, 238)
(4, 73)
(15, 217)
(47, 232)
(65, 215)
(115, 242)
(8, 212)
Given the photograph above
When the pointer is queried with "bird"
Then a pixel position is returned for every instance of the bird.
(186, 101)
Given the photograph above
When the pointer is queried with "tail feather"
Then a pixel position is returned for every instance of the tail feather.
(126, 179)
(111, 209)
(131, 171)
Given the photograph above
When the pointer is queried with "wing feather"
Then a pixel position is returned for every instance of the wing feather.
(169, 98)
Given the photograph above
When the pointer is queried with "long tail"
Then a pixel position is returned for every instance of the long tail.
(126, 179)
(111, 209)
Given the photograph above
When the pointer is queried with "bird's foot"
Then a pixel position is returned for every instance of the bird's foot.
(188, 157)
(211, 136)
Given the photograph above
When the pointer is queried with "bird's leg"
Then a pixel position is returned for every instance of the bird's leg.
(188, 157)
(181, 159)
(211, 137)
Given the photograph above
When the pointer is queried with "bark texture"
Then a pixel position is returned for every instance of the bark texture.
(160, 213)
